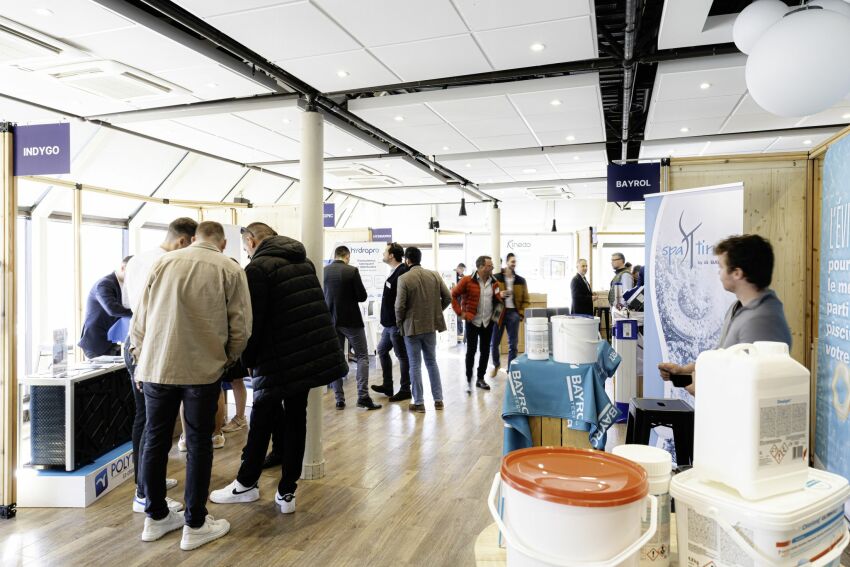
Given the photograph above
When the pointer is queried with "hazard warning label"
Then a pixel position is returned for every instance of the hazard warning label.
(783, 431)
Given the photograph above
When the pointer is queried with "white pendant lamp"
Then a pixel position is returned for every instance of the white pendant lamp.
(755, 20)
(801, 65)
(839, 6)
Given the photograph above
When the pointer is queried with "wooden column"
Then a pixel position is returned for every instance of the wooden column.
(8, 312)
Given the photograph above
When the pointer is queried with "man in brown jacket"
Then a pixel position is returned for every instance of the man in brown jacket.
(193, 321)
(422, 297)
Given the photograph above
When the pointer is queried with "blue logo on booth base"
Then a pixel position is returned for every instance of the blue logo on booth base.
(101, 482)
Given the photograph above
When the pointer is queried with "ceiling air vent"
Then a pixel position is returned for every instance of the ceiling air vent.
(113, 80)
(352, 170)
(546, 193)
(376, 181)
(20, 44)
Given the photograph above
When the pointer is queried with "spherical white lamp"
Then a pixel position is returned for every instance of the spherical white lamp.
(755, 20)
(839, 6)
(801, 65)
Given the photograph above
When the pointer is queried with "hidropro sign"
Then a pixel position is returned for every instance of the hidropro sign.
(43, 149)
(631, 181)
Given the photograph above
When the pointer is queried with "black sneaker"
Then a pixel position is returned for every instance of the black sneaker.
(272, 460)
(383, 390)
(368, 404)
(340, 405)
(401, 396)
(480, 383)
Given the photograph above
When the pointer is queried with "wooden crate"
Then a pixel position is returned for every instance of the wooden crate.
(553, 431)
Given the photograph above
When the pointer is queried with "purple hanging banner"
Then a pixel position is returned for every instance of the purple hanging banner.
(631, 181)
(43, 149)
(382, 235)
(329, 215)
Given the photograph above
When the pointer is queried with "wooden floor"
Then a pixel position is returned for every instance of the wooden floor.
(401, 489)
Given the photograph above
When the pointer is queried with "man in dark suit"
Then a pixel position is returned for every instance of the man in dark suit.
(343, 293)
(581, 291)
(104, 309)
(391, 338)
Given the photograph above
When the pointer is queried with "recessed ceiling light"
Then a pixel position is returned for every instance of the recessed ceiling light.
(342, 74)
(576, 158)
(43, 12)
(445, 148)
(529, 170)
(684, 129)
(399, 118)
(555, 102)
(705, 86)
(286, 120)
(571, 138)
(469, 165)
(846, 116)
(212, 85)
(537, 47)
(348, 149)
(807, 142)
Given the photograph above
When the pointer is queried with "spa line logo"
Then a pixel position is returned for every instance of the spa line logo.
(688, 240)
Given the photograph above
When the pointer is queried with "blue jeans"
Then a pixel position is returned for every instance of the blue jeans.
(199, 407)
(511, 323)
(357, 338)
(392, 340)
(419, 346)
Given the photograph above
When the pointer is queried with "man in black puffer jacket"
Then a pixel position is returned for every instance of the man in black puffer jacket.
(293, 348)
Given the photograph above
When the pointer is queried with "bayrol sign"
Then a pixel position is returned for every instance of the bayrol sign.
(631, 181)
(43, 149)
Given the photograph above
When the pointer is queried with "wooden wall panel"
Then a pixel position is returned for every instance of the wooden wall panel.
(775, 206)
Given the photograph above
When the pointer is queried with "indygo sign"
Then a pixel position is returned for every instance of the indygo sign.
(42, 149)
(631, 181)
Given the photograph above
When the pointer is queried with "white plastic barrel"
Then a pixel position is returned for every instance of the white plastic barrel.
(658, 465)
(715, 525)
(751, 428)
(574, 339)
(537, 338)
(568, 507)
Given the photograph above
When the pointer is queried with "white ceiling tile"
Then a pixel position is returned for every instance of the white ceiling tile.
(686, 84)
(213, 81)
(592, 154)
(71, 18)
(525, 161)
(248, 134)
(793, 143)
(838, 114)
(206, 8)
(494, 14)
(566, 122)
(475, 109)
(580, 99)
(581, 170)
(411, 115)
(683, 110)
(322, 71)
(434, 58)
(384, 22)
(671, 148)
(565, 40)
(505, 142)
(696, 127)
(474, 129)
(752, 145)
(579, 135)
(755, 122)
(531, 173)
(434, 139)
(142, 48)
(686, 24)
(287, 31)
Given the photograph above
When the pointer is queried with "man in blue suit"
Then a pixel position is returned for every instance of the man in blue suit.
(103, 309)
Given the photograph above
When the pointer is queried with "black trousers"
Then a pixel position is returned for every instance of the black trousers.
(199, 407)
(288, 426)
(478, 338)
(138, 434)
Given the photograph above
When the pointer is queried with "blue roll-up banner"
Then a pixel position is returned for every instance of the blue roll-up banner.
(832, 421)
(686, 303)
(42, 149)
(329, 215)
(632, 181)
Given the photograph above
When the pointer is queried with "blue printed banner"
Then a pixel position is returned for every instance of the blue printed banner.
(382, 235)
(329, 215)
(832, 420)
(42, 149)
(631, 181)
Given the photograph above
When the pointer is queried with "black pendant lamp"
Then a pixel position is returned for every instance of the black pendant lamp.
(554, 226)
(462, 212)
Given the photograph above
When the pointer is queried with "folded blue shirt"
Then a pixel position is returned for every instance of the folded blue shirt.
(575, 392)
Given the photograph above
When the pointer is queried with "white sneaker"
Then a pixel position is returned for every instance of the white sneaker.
(210, 531)
(218, 441)
(286, 503)
(181, 444)
(170, 483)
(155, 529)
(235, 493)
(140, 503)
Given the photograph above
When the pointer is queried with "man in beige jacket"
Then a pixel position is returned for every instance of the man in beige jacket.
(422, 297)
(193, 321)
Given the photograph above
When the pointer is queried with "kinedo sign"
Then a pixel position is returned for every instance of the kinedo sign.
(631, 181)
(43, 149)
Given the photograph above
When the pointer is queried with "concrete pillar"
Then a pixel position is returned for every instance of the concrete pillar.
(435, 240)
(312, 236)
(496, 237)
(77, 226)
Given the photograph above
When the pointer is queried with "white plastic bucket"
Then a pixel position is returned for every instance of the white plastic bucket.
(600, 527)
(757, 440)
(574, 339)
(537, 338)
(806, 527)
